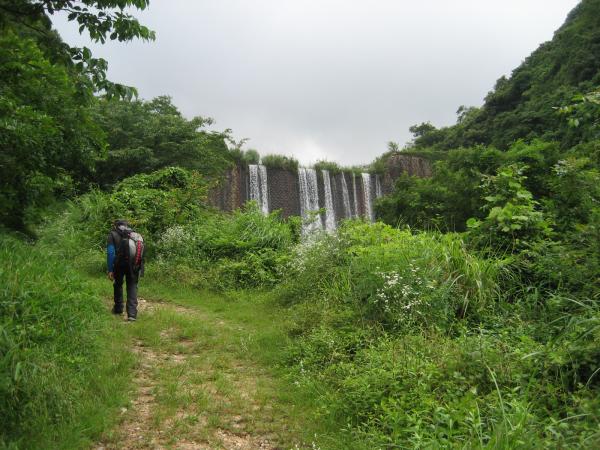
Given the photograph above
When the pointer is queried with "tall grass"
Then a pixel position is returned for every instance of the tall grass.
(59, 373)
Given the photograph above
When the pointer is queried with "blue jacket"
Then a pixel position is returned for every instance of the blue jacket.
(112, 242)
(111, 255)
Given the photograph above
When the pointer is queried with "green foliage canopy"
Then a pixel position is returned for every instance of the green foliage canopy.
(523, 106)
(48, 139)
(102, 19)
(144, 136)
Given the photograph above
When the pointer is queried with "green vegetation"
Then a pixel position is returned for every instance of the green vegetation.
(244, 249)
(331, 166)
(411, 339)
(49, 139)
(280, 162)
(524, 105)
(60, 353)
(146, 136)
(467, 318)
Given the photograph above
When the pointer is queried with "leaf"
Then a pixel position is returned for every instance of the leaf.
(473, 223)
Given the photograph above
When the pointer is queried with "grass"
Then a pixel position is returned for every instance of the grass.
(378, 338)
(197, 366)
(59, 355)
(217, 371)
(242, 340)
(280, 162)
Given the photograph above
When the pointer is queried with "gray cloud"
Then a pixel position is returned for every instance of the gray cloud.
(327, 79)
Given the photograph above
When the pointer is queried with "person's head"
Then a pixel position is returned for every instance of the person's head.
(120, 224)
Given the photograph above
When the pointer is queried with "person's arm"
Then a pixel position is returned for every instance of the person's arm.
(110, 256)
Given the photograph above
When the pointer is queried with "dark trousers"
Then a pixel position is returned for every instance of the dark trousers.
(132, 302)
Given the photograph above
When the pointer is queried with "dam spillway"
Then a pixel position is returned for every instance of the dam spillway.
(309, 199)
(258, 186)
(323, 198)
(319, 192)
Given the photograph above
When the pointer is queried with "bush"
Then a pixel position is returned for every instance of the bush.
(331, 166)
(243, 249)
(406, 338)
(513, 222)
(395, 278)
(280, 162)
(151, 203)
(246, 157)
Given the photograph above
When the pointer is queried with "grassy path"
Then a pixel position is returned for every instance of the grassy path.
(203, 377)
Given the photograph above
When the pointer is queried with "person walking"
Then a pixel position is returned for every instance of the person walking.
(125, 261)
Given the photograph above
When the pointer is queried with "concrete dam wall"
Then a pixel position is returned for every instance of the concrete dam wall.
(342, 195)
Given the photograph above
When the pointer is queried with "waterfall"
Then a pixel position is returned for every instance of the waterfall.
(355, 195)
(366, 179)
(378, 192)
(346, 198)
(329, 211)
(264, 189)
(259, 189)
(309, 198)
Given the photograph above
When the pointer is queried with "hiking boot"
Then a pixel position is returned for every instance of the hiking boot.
(116, 312)
(131, 319)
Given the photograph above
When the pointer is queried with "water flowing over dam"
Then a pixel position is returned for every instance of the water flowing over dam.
(258, 184)
(330, 219)
(323, 198)
(309, 198)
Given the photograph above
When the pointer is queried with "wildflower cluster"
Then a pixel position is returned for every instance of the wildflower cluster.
(403, 295)
(175, 241)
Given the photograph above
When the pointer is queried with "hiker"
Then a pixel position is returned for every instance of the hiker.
(125, 259)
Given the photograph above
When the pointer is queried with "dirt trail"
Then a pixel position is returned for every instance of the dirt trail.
(192, 391)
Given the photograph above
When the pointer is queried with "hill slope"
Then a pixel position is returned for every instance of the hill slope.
(523, 106)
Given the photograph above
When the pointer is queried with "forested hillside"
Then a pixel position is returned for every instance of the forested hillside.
(467, 316)
(524, 105)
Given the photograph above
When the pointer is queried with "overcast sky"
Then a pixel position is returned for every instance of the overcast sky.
(327, 79)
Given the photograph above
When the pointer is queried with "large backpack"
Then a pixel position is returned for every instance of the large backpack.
(131, 250)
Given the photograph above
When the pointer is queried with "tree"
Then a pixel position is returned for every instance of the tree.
(102, 19)
(48, 140)
(393, 146)
(144, 136)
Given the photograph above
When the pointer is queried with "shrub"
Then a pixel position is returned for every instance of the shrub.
(513, 222)
(280, 162)
(151, 203)
(331, 166)
(240, 156)
(245, 248)
(394, 277)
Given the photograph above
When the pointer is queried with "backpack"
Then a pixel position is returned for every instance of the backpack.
(131, 250)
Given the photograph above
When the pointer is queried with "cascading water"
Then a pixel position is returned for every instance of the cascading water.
(329, 211)
(355, 195)
(259, 188)
(366, 179)
(309, 199)
(346, 198)
(264, 188)
(378, 192)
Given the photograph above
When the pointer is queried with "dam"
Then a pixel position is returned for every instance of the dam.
(321, 197)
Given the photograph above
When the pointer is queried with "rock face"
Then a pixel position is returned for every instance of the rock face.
(396, 165)
(347, 194)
